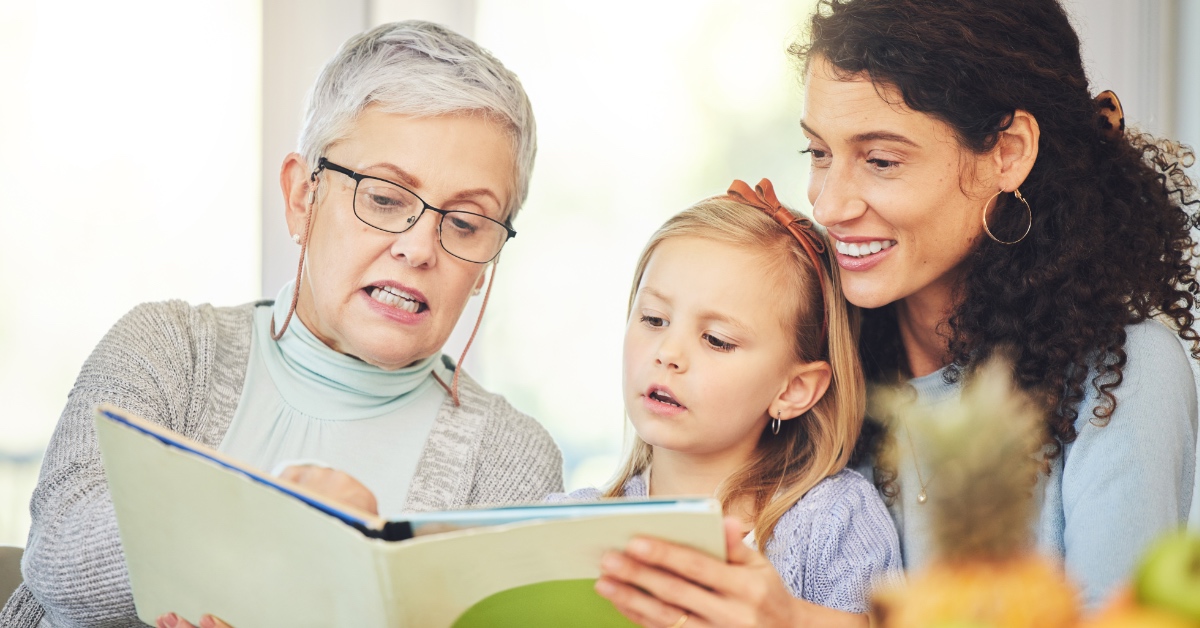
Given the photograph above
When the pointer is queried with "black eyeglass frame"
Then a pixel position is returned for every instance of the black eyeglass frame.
(325, 164)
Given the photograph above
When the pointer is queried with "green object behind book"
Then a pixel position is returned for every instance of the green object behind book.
(545, 605)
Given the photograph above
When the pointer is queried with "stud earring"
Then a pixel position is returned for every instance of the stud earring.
(296, 238)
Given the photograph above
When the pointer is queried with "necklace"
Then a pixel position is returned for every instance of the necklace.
(921, 497)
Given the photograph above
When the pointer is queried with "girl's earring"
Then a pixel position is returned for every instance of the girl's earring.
(775, 422)
(476, 291)
(296, 238)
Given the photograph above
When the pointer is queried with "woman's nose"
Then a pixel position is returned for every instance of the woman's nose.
(419, 244)
(837, 199)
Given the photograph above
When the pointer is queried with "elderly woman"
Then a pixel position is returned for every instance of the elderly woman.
(414, 158)
(982, 201)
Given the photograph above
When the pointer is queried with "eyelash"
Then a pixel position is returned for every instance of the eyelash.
(879, 164)
(715, 343)
(718, 344)
(658, 322)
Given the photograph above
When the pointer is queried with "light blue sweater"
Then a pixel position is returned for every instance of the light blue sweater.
(1112, 491)
(830, 548)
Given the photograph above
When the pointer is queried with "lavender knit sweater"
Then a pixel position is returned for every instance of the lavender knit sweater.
(830, 548)
(183, 367)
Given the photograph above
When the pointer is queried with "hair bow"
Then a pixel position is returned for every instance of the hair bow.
(763, 197)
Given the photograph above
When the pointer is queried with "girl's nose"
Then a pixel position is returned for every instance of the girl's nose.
(670, 357)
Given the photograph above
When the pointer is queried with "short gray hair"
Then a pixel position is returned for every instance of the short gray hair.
(420, 69)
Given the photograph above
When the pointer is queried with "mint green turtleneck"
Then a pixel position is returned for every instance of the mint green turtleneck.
(303, 402)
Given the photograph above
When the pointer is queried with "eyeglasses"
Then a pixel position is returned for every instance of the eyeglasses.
(393, 208)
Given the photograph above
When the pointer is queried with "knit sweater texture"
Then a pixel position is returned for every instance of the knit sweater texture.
(183, 367)
(830, 548)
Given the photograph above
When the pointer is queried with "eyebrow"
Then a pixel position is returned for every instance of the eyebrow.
(704, 315)
(402, 176)
(869, 136)
(408, 180)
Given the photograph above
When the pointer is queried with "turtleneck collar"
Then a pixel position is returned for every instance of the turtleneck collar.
(325, 384)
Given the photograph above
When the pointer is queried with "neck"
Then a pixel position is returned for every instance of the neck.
(676, 473)
(919, 317)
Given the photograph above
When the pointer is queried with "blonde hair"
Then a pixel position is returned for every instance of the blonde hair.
(817, 444)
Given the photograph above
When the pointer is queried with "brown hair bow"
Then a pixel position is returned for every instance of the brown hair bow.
(763, 197)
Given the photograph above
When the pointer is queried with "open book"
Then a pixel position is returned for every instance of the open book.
(203, 533)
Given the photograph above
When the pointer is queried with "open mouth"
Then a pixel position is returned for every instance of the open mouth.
(863, 249)
(396, 298)
(663, 396)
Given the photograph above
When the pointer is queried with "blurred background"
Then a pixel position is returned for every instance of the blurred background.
(141, 140)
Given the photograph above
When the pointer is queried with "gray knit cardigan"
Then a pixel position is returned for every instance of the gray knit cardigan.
(183, 366)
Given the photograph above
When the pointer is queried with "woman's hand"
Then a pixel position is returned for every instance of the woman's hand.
(171, 620)
(332, 484)
(647, 583)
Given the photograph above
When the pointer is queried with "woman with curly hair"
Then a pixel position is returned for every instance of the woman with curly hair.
(980, 201)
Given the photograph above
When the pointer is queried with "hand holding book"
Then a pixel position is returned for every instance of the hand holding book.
(333, 485)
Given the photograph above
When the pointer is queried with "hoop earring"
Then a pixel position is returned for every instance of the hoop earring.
(1028, 211)
(775, 422)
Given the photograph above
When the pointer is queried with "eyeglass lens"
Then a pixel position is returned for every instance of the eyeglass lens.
(392, 208)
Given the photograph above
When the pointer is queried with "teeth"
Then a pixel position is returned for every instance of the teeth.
(862, 249)
(392, 297)
(663, 397)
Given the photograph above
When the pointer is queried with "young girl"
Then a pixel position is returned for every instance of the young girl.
(742, 380)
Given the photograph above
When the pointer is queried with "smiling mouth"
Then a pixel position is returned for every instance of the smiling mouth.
(396, 298)
(863, 249)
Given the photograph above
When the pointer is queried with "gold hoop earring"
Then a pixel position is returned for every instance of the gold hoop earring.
(1028, 210)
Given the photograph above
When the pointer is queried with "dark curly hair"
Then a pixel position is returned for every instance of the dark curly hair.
(1110, 243)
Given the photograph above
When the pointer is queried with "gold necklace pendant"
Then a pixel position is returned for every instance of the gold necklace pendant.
(921, 497)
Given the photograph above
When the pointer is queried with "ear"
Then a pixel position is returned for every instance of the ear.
(297, 185)
(1016, 150)
(806, 385)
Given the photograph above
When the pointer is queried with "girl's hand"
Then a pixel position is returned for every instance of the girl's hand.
(333, 484)
(662, 585)
(171, 620)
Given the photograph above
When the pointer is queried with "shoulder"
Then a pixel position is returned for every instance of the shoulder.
(588, 494)
(1157, 388)
(635, 487)
(178, 323)
(499, 416)
(513, 456)
(841, 494)
(1156, 346)
(190, 358)
(840, 542)
(841, 506)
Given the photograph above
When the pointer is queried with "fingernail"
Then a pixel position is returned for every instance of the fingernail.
(638, 547)
(611, 561)
(170, 619)
(207, 622)
(604, 587)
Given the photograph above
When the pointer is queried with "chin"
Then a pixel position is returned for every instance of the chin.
(392, 358)
(866, 296)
